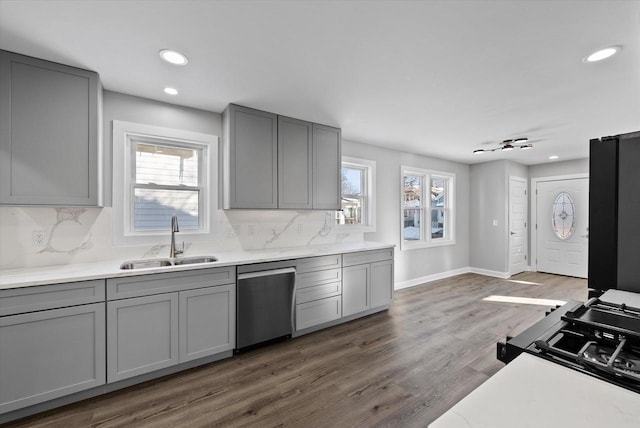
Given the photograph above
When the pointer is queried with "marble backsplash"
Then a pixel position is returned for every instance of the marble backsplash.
(43, 236)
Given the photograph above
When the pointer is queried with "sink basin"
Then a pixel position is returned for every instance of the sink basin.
(194, 260)
(141, 264)
(154, 263)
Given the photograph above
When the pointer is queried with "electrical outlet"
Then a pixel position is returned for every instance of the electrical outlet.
(251, 229)
(38, 238)
(300, 228)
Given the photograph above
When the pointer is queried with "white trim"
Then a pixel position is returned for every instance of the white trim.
(121, 170)
(370, 166)
(450, 209)
(494, 273)
(429, 278)
(533, 197)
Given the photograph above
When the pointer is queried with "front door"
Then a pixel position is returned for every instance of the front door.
(562, 226)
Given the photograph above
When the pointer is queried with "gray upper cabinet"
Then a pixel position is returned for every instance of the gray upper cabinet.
(49, 133)
(271, 162)
(250, 158)
(295, 157)
(327, 162)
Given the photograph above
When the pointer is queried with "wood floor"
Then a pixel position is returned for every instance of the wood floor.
(400, 368)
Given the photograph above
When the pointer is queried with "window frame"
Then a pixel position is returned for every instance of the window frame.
(369, 181)
(125, 137)
(427, 208)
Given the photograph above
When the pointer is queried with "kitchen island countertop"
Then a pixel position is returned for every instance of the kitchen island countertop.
(531, 392)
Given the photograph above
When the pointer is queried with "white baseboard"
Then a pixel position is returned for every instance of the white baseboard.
(429, 278)
(494, 273)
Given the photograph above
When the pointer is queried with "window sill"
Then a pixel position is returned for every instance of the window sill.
(415, 245)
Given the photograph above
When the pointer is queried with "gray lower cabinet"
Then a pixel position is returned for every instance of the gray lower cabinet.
(356, 295)
(317, 312)
(142, 335)
(381, 283)
(49, 133)
(249, 158)
(207, 321)
(318, 291)
(367, 280)
(50, 354)
(160, 320)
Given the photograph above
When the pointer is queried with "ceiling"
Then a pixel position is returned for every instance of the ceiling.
(439, 78)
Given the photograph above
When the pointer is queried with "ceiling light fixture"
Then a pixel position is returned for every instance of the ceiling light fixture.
(173, 57)
(602, 54)
(171, 91)
(553, 157)
(507, 145)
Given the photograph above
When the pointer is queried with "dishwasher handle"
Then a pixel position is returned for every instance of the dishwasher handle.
(283, 271)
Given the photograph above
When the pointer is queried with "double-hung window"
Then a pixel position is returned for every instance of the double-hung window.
(159, 173)
(358, 195)
(427, 208)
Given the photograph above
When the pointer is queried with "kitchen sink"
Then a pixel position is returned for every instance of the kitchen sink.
(194, 260)
(154, 263)
(141, 264)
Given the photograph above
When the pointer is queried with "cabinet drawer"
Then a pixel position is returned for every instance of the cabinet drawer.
(318, 292)
(318, 312)
(37, 298)
(351, 259)
(311, 279)
(144, 285)
(319, 263)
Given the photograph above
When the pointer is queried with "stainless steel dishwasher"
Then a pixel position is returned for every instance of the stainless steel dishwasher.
(265, 303)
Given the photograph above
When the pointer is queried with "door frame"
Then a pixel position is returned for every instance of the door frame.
(527, 223)
(533, 231)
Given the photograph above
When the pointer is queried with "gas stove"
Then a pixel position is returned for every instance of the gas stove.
(600, 337)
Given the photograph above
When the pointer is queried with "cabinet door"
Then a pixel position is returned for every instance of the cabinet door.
(327, 164)
(294, 163)
(207, 321)
(49, 354)
(381, 283)
(250, 147)
(355, 289)
(49, 135)
(142, 335)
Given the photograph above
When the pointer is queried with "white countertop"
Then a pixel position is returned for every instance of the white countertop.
(531, 392)
(14, 278)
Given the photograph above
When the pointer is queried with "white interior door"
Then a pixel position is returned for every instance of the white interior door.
(562, 226)
(518, 212)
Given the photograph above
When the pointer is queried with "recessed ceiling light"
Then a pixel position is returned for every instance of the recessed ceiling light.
(171, 91)
(173, 57)
(602, 54)
(553, 157)
(478, 151)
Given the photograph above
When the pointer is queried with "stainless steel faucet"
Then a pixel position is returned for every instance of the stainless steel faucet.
(175, 228)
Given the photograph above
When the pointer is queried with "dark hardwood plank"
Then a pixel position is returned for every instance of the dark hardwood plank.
(402, 367)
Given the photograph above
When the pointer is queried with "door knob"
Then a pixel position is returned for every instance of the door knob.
(513, 233)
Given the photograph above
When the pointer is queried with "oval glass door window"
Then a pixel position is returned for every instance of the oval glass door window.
(564, 216)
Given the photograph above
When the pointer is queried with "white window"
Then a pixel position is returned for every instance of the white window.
(358, 195)
(427, 208)
(158, 173)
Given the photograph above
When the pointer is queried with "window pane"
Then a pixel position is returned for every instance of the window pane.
(412, 191)
(438, 192)
(437, 223)
(352, 179)
(166, 165)
(153, 209)
(352, 208)
(412, 220)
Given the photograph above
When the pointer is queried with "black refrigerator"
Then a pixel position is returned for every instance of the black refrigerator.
(614, 213)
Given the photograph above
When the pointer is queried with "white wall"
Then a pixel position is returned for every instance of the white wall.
(414, 265)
